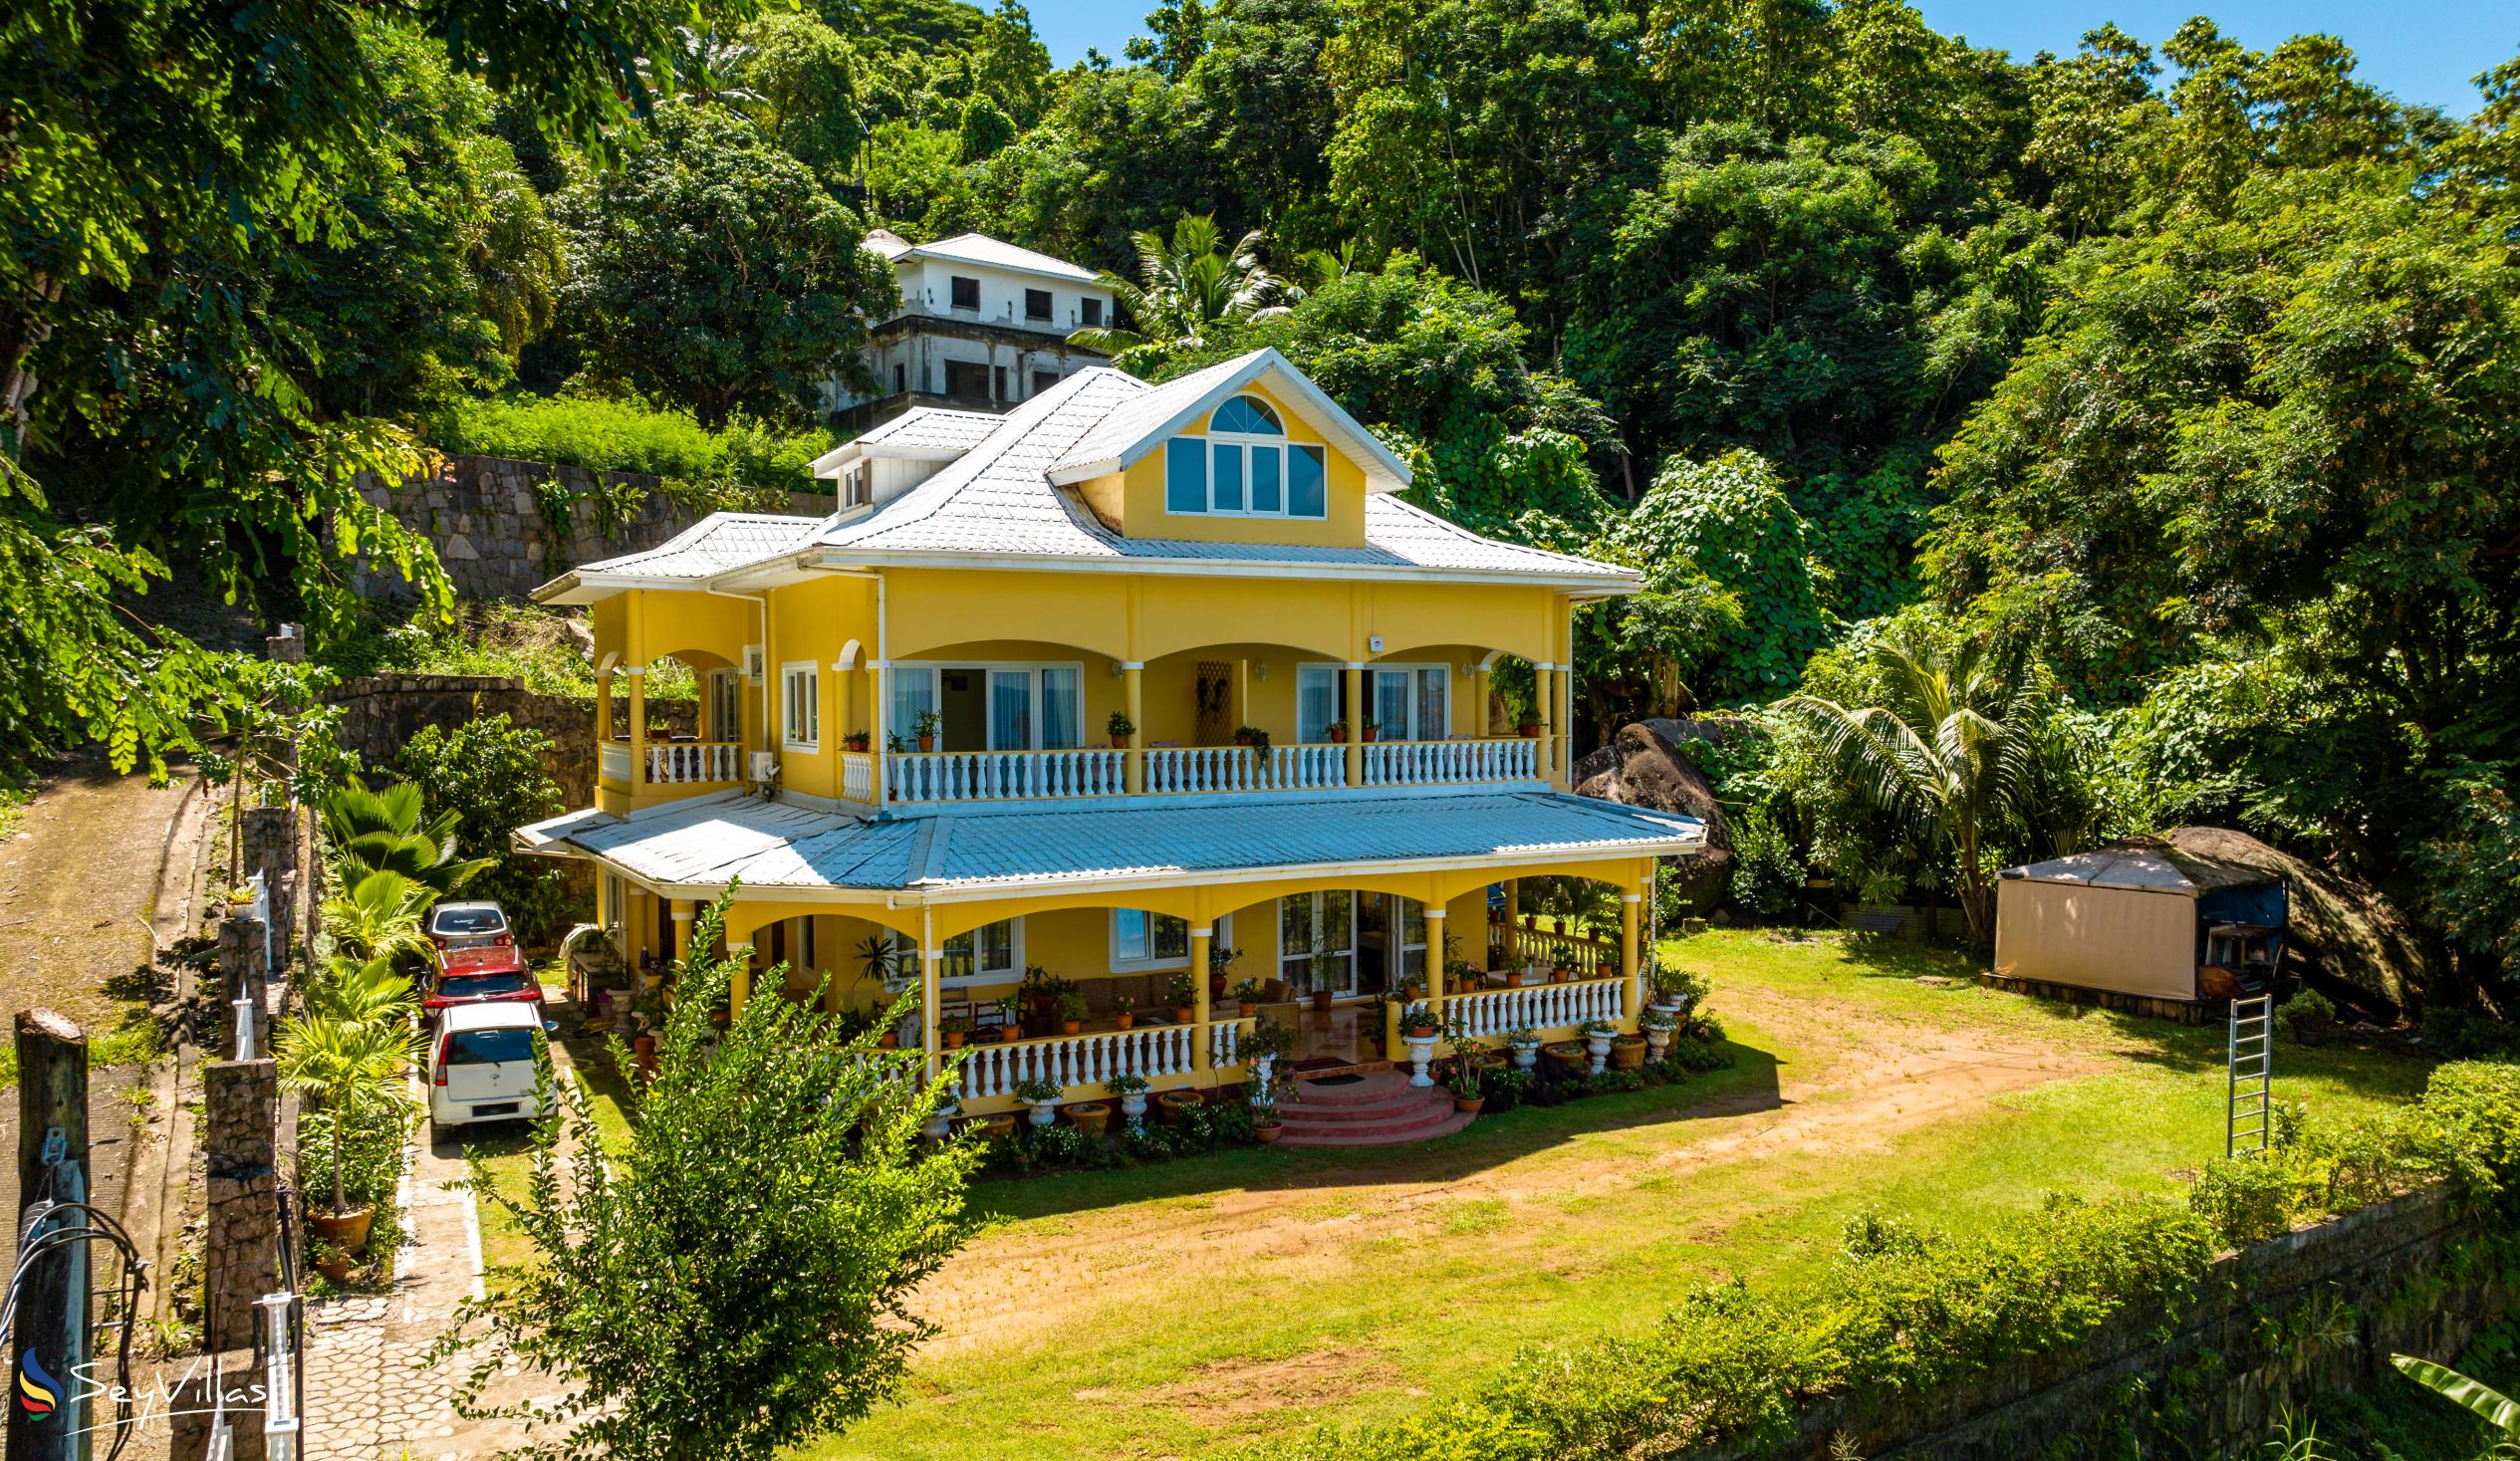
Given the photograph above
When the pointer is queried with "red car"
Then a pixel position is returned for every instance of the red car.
(480, 976)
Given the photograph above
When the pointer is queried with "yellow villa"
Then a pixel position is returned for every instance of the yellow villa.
(1143, 695)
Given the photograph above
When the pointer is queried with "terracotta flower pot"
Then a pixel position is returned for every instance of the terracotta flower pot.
(926, 744)
(1528, 730)
(335, 1269)
(892, 1040)
(347, 1229)
(644, 1047)
(1373, 734)
(1120, 743)
(1125, 1019)
(1339, 738)
(1001, 1125)
(1171, 1103)
(1070, 1026)
(1090, 1116)
(1269, 1132)
(953, 1039)
(1421, 1031)
(1320, 999)
(1468, 1104)
(1183, 1014)
(1628, 1053)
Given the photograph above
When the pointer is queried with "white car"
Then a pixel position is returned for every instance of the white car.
(482, 1068)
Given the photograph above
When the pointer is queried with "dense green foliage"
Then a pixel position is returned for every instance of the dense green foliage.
(629, 435)
(489, 775)
(736, 1282)
(1904, 1310)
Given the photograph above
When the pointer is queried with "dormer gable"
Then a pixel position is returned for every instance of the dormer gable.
(1245, 451)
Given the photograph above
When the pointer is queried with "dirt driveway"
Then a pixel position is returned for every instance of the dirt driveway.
(78, 893)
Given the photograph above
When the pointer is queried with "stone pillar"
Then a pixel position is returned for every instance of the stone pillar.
(188, 1414)
(241, 1256)
(1356, 724)
(243, 973)
(271, 841)
(1134, 680)
(637, 724)
(287, 646)
(1630, 967)
(1202, 1057)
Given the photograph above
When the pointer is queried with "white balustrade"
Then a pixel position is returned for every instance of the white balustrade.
(1173, 769)
(1073, 1060)
(1540, 1005)
(856, 775)
(1307, 768)
(615, 761)
(1224, 1043)
(1441, 763)
(1588, 957)
(676, 762)
(990, 776)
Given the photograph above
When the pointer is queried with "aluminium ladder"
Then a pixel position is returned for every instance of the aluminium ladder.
(2248, 1120)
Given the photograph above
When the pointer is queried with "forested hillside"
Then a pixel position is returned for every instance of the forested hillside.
(2043, 448)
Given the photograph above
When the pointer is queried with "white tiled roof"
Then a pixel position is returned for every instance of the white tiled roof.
(769, 844)
(930, 429)
(711, 545)
(1144, 413)
(979, 248)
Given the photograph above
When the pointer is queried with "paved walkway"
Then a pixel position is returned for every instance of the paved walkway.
(368, 1398)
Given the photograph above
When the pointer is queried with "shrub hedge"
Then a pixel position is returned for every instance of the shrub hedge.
(1902, 1311)
(631, 436)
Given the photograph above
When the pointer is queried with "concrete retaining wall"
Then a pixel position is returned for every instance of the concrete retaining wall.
(481, 514)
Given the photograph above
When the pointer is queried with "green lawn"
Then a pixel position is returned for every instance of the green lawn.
(1173, 1310)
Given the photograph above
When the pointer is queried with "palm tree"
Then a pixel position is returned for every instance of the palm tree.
(1193, 291)
(371, 993)
(378, 917)
(1948, 752)
(388, 832)
(352, 1067)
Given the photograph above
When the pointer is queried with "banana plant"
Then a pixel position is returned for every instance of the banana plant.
(2498, 1409)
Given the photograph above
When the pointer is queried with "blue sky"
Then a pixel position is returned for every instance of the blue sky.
(2419, 49)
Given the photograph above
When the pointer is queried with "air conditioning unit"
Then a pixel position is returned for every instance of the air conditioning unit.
(765, 767)
(753, 663)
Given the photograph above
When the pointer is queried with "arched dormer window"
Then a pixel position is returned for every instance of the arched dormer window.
(1245, 467)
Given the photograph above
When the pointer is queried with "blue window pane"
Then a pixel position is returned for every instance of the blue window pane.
(1266, 494)
(1243, 413)
(1185, 474)
(1228, 494)
(1307, 483)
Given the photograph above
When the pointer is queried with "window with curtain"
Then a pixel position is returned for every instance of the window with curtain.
(801, 706)
(1062, 709)
(1390, 704)
(1313, 924)
(990, 954)
(913, 695)
(1434, 704)
(1010, 710)
(1316, 700)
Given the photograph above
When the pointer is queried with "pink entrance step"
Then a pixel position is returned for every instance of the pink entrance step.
(1382, 1109)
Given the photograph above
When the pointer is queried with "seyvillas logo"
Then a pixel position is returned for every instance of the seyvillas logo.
(38, 1392)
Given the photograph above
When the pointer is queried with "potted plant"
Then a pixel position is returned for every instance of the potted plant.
(1468, 1068)
(1267, 1044)
(1041, 1097)
(1597, 1034)
(1011, 1022)
(928, 723)
(1527, 724)
(354, 1069)
(1173, 1103)
(1071, 1010)
(1327, 966)
(1567, 1055)
(1627, 1052)
(1677, 992)
(332, 1260)
(1254, 737)
(1562, 972)
(1000, 1126)
(1524, 1042)
(895, 742)
(1132, 1091)
(2307, 1018)
(858, 741)
(956, 1029)
(1246, 997)
(1371, 728)
(1120, 729)
(1265, 1123)
(1220, 967)
(1184, 995)
(1339, 732)
(1090, 1117)
(1657, 1024)
(1123, 1011)
(1417, 1021)
(1417, 1032)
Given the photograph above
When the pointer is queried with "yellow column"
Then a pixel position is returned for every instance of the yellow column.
(1355, 725)
(1630, 967)
(1480, 725)
(602, 714)
(682, 912)
(932, 965)
(1513, 939)
(1435, 958)
(1565, 720)
(638, 723)
(1134, 678)
(1543, 697)
(879, 702)
(823, 944)
(739, 931)
(1201, 939)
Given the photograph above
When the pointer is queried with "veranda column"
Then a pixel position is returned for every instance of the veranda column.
(1201, 1059)
(603, 718)
(1356, 724)
(682, 912)
(877, 735)
(1434, 957)
(1480, 725)
(1544, 701)
(638, 723)
(1133, 681)
(739, 930)
(931, 964)
(1565, 720)
(1630, 967)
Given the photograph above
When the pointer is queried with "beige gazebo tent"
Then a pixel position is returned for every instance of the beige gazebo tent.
(2135, 918)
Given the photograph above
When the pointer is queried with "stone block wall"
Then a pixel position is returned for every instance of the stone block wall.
(381, 713)
(241, 1254)
(482, 514)
(2275, 1327)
